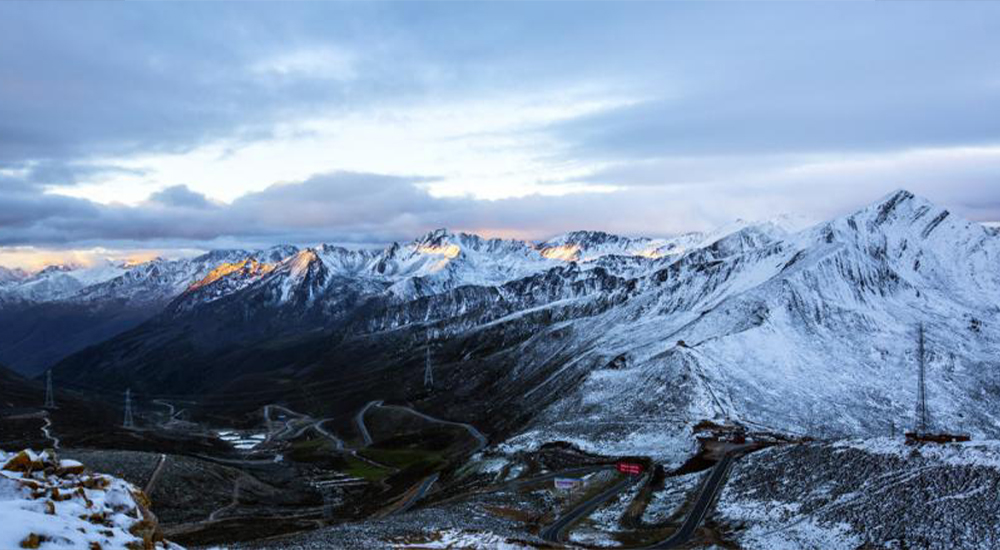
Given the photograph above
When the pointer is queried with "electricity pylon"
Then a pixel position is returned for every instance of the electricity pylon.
(329, 501)
(428, 370)
(129, 423)
(921, 383)
(50, 398)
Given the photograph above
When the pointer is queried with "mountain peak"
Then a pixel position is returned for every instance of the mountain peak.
(300, 262)
(901, 210)
(436, 236)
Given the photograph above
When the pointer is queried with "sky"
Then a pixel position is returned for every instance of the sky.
(134, 129)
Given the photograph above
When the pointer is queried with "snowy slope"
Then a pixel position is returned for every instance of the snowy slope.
(436, 262)
(780, 325)
(56, 282)
(8, 276)
(811, 333)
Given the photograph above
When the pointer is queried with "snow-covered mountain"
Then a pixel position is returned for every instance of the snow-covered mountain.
(8, 276)
(813, 333)
(618, 344)
(436, 262)
(55, 282)
(96, 302)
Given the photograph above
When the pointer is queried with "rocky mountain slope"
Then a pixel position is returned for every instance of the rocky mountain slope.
(617, 344)
(813, 333)
(62, 309)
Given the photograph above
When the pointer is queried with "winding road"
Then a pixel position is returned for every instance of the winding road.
(582, 470)
(47, 431)
(151, 484)
(481, 440)
(359, 421)
(421, 491)
(706, 496)
(555, 531)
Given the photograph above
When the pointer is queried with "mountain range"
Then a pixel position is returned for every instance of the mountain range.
(617, 344)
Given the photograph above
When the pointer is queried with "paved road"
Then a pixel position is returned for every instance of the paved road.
(296, 417)
(709, 491)
(47, 431)
(214, 516)
(582, 470)
(318, 426)
(247, 463)
(556, 530)
(425, 485)
(151, 484)
(305, 423)
(169, 406)
(359, 421)
(706, 497)
(481, 440)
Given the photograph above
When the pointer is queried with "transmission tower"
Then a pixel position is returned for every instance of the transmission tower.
(330, 501)
(428, 370)
(50, 398)
(129, 423)
(921, 383)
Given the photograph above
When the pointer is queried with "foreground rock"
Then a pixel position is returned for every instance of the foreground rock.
(46, 502)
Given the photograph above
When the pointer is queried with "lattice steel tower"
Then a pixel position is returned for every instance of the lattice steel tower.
(50, 397)
(128, 423)
(428, 369)
(922, 416)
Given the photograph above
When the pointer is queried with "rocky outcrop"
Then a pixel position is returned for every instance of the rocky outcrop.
(46, 502)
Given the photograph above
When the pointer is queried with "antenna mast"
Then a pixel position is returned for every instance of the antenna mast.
(50, 398)
(921, 383)
(129, 423)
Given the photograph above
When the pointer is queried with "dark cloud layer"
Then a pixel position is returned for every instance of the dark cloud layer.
(737, 101)
(370, 208)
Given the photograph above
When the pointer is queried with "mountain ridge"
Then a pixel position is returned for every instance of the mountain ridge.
(732, 330)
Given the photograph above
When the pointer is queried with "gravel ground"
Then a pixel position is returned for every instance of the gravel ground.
(133, 466)
(413, 527)
(864, 494)
(667, 502)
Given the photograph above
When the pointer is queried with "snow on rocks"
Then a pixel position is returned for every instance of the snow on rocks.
(874, 494)
(457, 538)
(46, 502)
(969, 453)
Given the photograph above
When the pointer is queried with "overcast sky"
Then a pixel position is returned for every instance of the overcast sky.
(131, 126)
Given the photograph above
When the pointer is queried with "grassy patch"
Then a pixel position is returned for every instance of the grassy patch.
(311, 450)
(359, 468)
(406, 458)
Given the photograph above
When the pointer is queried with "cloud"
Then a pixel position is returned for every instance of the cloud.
(323, 62)
(353, 207)
(180, 196)
(517, 119)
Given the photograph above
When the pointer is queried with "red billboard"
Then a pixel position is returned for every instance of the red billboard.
(630, 468)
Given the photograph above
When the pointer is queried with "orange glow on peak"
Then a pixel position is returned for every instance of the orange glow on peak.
(447, 250)
(566, 252)
(251, 266)
(650, 253)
